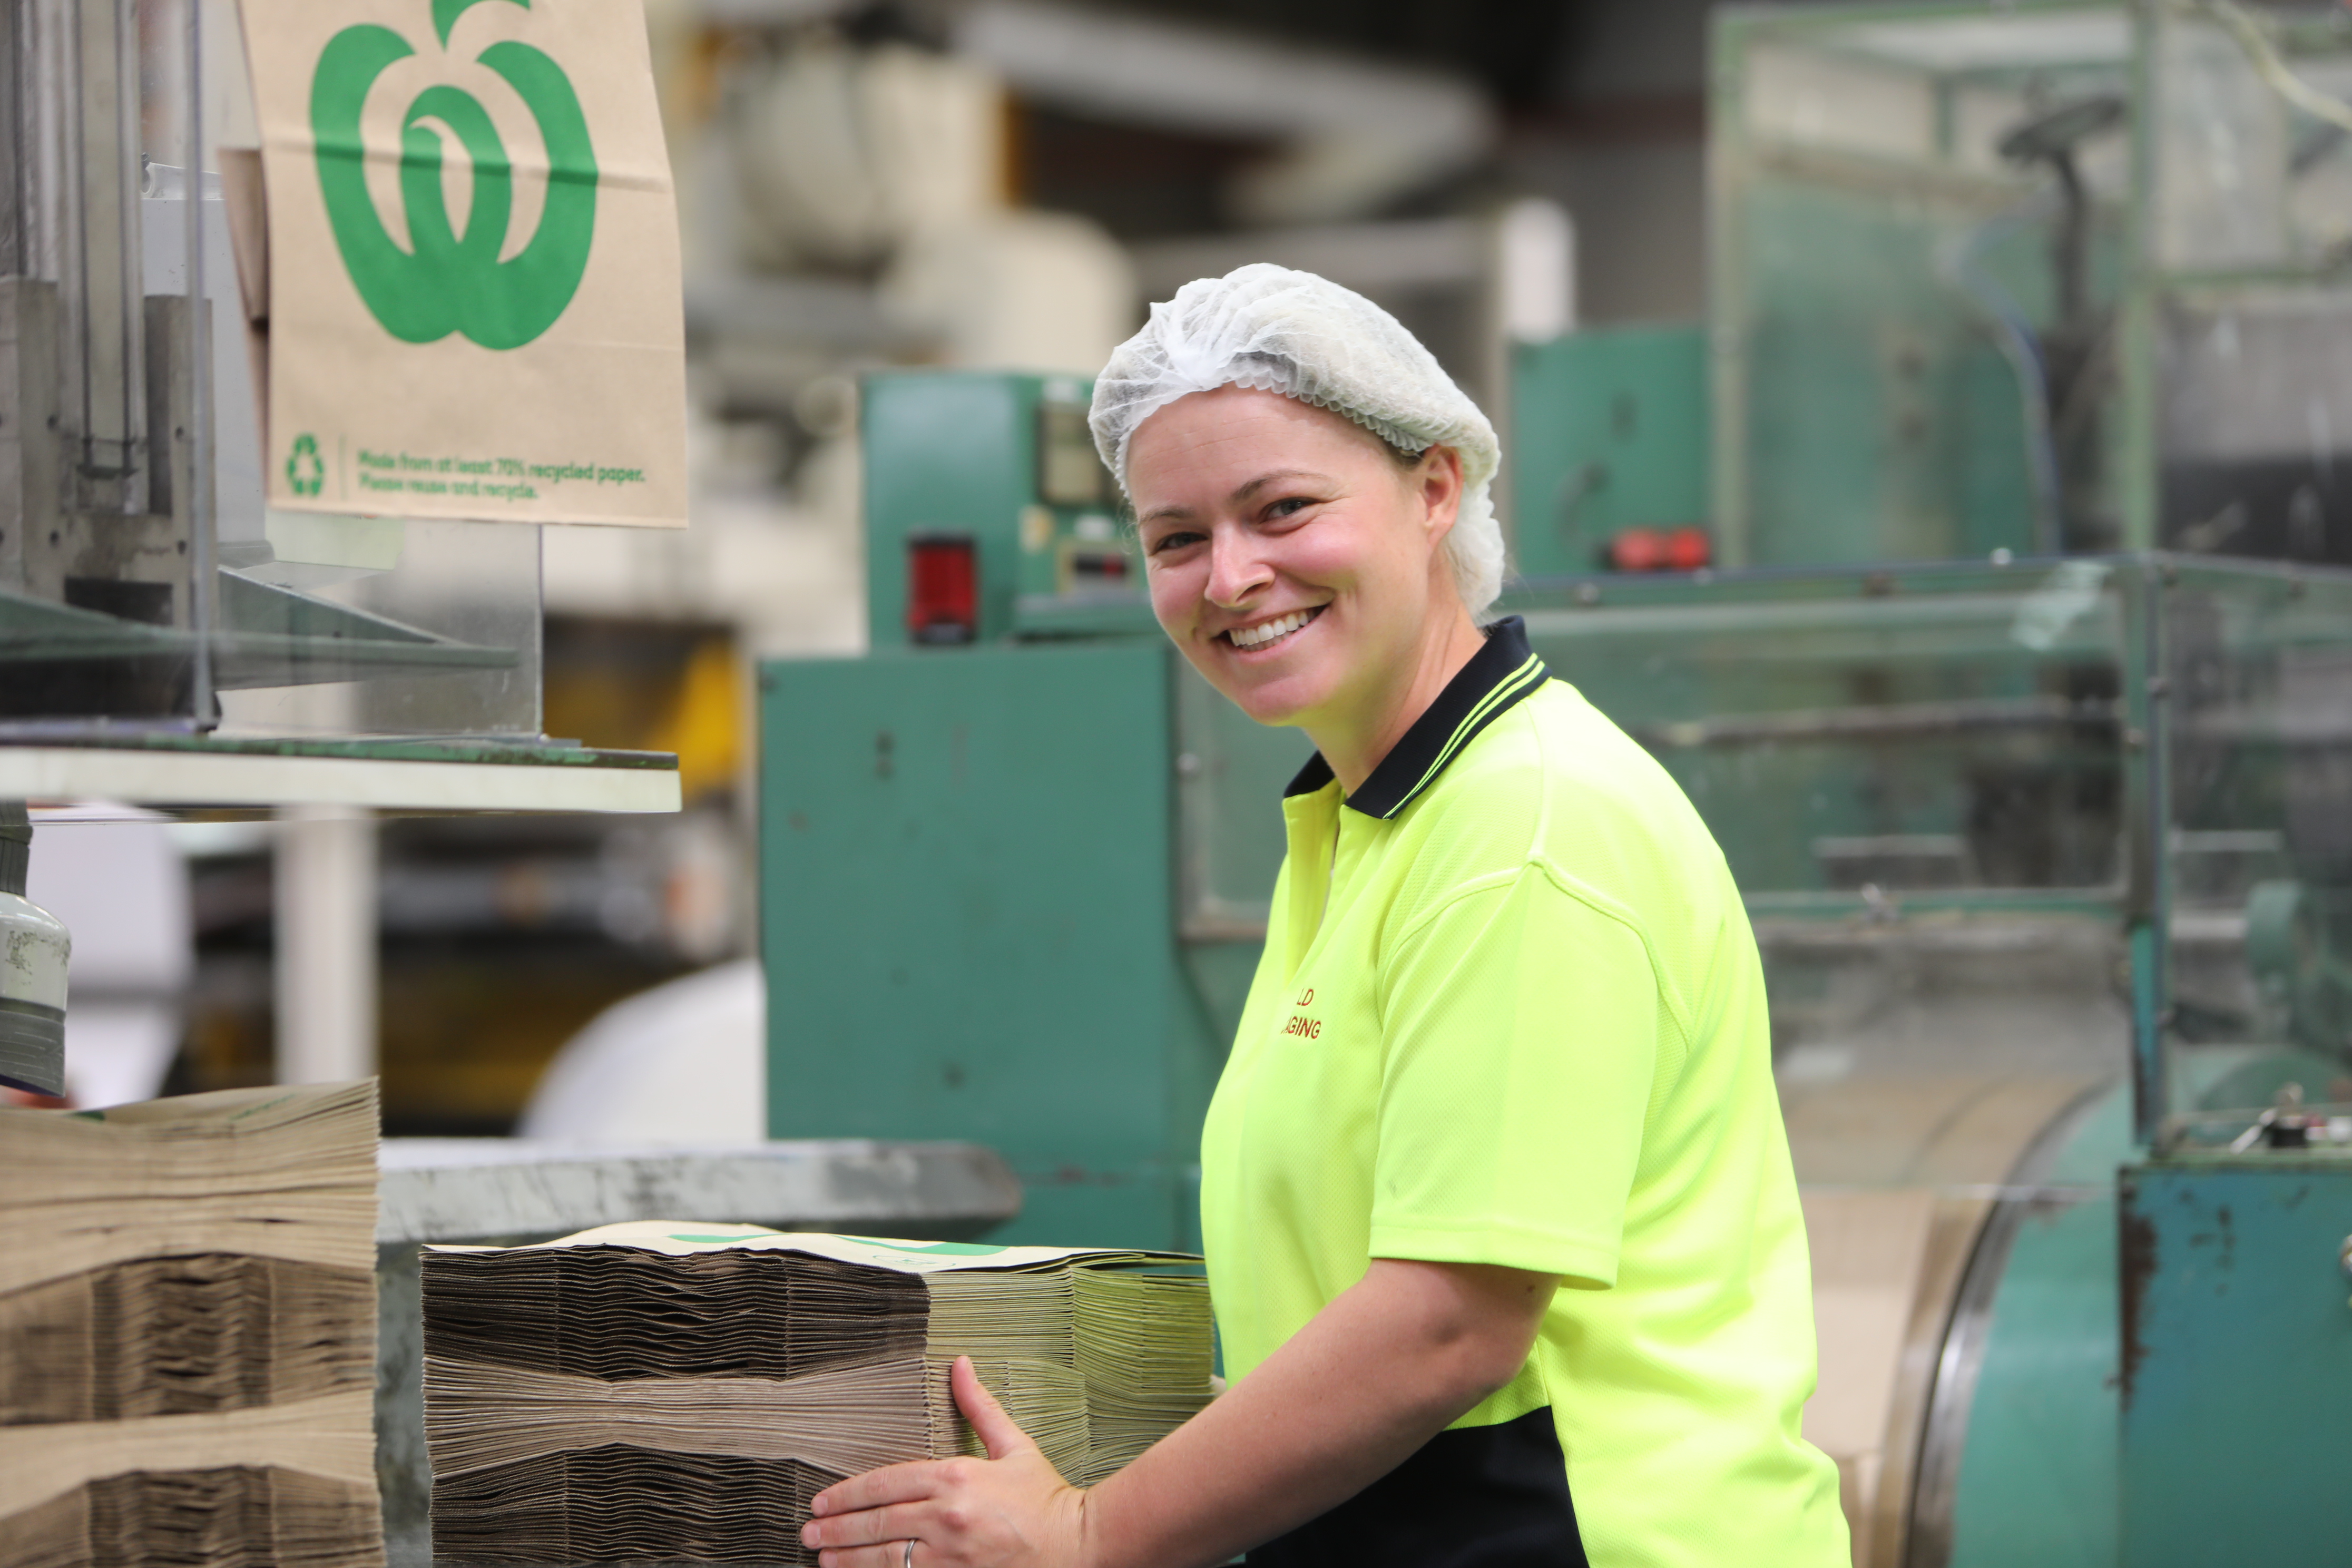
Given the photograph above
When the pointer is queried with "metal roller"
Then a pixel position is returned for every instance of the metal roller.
(1915, 1191)
(1949, 1091)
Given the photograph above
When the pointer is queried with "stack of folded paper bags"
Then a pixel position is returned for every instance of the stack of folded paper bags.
(188, 1332)
(679, 1393)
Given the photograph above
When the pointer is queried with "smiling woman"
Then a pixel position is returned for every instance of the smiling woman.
(1501, 1227)
(1300, 569)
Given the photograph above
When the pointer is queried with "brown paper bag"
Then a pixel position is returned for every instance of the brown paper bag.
(474, 300)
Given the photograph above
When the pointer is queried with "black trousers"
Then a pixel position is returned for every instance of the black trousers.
(1478, 1497)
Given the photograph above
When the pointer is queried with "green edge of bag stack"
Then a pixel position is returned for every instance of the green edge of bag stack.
(679, 1393)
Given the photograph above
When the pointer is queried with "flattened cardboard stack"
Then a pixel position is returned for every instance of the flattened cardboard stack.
(679, 1393)
(188, 1332)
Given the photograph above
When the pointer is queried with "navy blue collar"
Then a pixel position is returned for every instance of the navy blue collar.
(1499, 675)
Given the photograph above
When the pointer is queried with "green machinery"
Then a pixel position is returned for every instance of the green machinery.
(1995, 286)
(1610, 435)
(2019, 697)
(2042, 278)
(2037, 854)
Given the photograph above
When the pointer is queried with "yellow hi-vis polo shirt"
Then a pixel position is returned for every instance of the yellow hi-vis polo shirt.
(1510, 1011)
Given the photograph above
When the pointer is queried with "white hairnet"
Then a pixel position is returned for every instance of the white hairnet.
(1267, 327)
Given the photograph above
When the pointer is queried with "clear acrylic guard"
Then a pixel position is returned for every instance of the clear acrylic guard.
(144, 584)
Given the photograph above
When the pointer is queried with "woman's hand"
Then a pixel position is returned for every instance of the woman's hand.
(1011, 1510)
(1374, 1375)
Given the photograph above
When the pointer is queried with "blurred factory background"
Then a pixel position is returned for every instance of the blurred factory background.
(1921, 432)
(1003, 184)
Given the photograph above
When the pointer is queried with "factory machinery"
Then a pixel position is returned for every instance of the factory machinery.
(2011, 663)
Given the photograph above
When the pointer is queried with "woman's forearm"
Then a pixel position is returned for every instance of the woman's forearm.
(1385, 1367)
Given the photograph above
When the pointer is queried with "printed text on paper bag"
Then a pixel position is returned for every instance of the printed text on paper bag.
(501, 478)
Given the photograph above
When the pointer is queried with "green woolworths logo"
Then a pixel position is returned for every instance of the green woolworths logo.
(445, 284)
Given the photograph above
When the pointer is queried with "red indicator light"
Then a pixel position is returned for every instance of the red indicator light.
(942, 587)
(1637, 550)
(1688, 549)
(1660, 549)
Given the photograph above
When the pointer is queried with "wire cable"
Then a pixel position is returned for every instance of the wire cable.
(2268, 64)
(2021, 346)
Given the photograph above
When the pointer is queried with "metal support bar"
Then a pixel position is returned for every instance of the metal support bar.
(196, 501)
(326, 979)
(2147, 816)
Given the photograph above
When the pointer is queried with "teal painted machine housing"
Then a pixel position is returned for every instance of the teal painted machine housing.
(1872, 294)
(1001, 455)
(1876, 417)
(1609, 431)
(2237, 1358)
(2166, 1361)
(966, 925)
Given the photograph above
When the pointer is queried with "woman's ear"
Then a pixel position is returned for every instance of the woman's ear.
(1436, 480)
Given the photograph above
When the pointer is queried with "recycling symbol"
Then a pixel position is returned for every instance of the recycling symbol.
(444, 283)
(306, 471)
